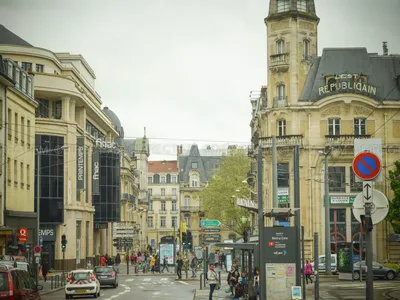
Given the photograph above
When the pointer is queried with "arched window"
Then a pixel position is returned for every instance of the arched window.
(194, 180)
(156, 178)
(168, 178)
(280, 47)
(306, 49)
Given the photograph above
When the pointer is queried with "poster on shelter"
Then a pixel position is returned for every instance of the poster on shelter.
(168, 251)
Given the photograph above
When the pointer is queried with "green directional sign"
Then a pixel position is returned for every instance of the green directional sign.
(210, 223)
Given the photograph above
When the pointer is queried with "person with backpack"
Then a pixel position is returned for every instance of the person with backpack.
(233, 279)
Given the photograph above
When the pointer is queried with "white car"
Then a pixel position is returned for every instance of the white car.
(80, 283)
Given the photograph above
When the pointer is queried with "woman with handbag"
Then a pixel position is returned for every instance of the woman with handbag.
(212, 279)
(256, 287)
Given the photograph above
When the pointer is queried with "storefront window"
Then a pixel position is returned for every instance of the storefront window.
(338, 227)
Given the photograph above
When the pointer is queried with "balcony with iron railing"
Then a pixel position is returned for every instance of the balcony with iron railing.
(186, 208)
(343, 139)
(280, 101)
(163, 212)
(279, 62)
(282, 141)
(163, 197)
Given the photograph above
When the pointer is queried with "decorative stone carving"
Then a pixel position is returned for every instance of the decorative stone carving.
(346, 109)
(361, 110)
(335, 110)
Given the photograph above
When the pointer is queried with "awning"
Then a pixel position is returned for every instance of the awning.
(5, 230)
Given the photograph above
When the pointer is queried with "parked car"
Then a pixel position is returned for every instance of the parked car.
(80, 283)
(321, 264)
(106, 275)
(378, 271)
(17, 284)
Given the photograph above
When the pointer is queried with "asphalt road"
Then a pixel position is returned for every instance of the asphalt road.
(141, 288)
(383, 290)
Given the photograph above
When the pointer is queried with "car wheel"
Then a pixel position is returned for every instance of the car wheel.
(356, 275)
(95, 295)
(115, 285)
(390, 275)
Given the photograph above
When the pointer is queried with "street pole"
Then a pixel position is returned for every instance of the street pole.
(274, 177)
(316, 269)
(37, 211)
(262, 276)
(296, 164)
(328, 269)
(360, 247)
(302, 263)
(369, 282)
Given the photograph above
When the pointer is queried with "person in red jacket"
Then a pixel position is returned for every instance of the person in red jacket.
(103, 260)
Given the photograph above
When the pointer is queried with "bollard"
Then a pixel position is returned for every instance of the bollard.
(51, 282)
(201, 281)
(57, 281)
(316, 267)
(219, 278)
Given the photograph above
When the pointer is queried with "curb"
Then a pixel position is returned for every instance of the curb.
(51, 291)
(387, 294)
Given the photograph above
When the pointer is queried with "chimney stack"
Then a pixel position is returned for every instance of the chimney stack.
(385, 49)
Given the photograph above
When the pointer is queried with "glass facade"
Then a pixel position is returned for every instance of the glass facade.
(107, 202)
(51, 174)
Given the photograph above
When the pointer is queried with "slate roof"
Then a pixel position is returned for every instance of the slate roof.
(205, 164)
(9, 38)
(165, 166)
(383, 71)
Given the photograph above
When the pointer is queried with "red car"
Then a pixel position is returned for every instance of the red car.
(16, 284)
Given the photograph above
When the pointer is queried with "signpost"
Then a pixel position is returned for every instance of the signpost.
(210, 223)
(367, 167)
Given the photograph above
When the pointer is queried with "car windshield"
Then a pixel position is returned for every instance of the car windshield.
(103, 270)
(80, 276)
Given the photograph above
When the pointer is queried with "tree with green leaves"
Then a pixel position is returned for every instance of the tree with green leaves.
(393, 215)
(217, 200)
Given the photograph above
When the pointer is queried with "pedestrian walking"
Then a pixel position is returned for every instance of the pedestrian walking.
(179, 265)
(193, 266)
(308, 271)
(117, 262)
(165, 265)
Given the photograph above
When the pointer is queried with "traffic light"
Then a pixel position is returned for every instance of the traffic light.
(63, 242)
(189, 240)
(184, 240)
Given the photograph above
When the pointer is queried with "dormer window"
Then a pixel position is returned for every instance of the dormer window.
(302, 5)
(280, 47)
(194, 180)
(283, 5)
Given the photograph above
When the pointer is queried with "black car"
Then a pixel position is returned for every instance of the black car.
(106, 275)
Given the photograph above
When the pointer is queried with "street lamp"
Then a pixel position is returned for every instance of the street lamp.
(38, 154)
(328, 269)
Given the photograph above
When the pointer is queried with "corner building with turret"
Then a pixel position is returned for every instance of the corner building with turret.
(322, 103)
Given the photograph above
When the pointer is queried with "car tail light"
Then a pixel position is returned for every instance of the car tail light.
(10, 287)
(112, 274)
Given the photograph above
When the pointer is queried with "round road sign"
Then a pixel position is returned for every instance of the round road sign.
(37, 249)
(367, 165)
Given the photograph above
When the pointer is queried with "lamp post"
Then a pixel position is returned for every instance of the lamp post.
(38, 154)
(328, 269)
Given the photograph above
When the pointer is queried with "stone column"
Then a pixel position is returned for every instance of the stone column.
(65, 107)
(72, 104)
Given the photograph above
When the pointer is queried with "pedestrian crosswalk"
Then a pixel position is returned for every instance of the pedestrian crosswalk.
(151, 281)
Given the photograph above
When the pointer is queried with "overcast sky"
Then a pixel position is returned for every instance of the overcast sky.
(185, 68)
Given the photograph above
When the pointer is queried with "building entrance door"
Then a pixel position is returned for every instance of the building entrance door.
(48, 254)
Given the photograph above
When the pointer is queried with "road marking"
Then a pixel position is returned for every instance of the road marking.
(141, 286)
(164, 279)
(146, 279)
(182, 282)
(129, 280)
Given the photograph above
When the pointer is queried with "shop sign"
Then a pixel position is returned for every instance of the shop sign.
(341, 200)
(48, 233)
(23, 234)
(107, 145)
(283, 195)
(80, 163)
(96, 172)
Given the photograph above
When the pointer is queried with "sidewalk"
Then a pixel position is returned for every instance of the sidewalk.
(52, 284)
